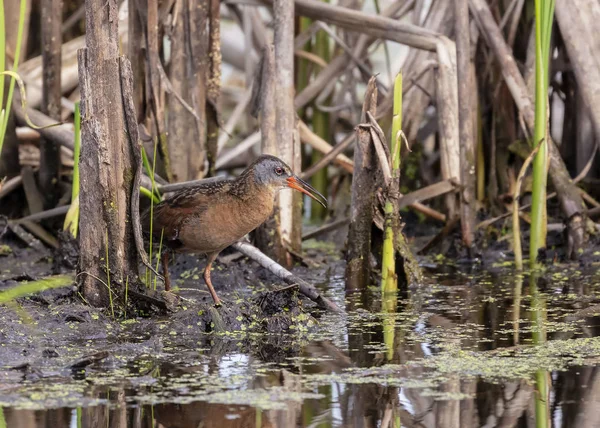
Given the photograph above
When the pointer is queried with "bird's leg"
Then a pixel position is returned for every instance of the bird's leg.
(211, 258)
(165, 264)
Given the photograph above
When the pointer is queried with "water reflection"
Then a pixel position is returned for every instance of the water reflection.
(460, 354)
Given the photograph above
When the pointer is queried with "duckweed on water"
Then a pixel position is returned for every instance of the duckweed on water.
(441, 335)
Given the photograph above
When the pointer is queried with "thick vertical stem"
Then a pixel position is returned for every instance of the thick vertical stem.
(9, 147)
(156, 95)
(268, 235)
(213, 86)
(466, 82)
(197, 38)
(186, 149)
(289, 146)
(51, 95)
(135, 42)
(540, 163)
(303, 66)
(321, 128)
(106, 163)
(268, 100)
(358, 267)
(447, 106)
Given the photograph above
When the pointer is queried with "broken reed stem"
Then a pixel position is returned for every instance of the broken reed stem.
(467, 149)
(358, 267)
(290, 212)
(389, 279)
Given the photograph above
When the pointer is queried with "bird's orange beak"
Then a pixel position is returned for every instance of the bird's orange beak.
(302, 186)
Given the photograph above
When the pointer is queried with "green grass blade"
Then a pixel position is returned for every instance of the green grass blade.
(2, 68)
(159, 255)
(11, 88)
(76, 152)
(33, 287)
(2, 58)
(2, 418)
(147, 193)
(72, 217)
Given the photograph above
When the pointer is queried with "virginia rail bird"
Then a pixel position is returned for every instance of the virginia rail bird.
(207, 218)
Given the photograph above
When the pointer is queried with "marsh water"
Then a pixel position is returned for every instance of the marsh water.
(470, 349)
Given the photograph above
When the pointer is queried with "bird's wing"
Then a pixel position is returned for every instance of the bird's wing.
(197, 195)
(170, 214)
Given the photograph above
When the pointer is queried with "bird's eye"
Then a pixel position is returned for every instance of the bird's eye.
(278, 170)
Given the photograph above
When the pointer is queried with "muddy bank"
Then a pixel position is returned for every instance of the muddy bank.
(55, 330)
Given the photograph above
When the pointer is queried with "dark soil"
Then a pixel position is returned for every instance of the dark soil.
(56, 329)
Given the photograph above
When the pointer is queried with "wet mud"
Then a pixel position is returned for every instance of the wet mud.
(476, 337)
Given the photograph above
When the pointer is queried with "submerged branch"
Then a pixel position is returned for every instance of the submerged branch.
(305, 288)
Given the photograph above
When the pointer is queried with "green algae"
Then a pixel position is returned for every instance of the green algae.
(176, 363)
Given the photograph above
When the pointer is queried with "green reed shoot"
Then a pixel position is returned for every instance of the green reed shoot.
(72, 217)
(544, 16)
(158, 256)
(389, 279)
(5, 109)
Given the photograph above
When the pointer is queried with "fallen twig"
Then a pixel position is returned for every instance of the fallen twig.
(373, 25)
(429, 192)
(10, 185)
(329, 157)
(305, 288)
(326, 228)
(317, 143)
